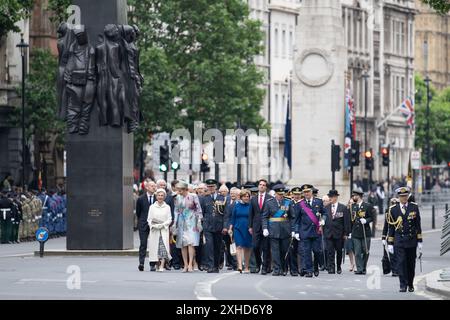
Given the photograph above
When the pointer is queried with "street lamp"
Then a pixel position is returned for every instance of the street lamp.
(427, 81)
(23, 51)
(366, 78)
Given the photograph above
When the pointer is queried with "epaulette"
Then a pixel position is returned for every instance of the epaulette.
(413, 203)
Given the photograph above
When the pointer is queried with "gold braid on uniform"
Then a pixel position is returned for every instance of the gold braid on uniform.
(390, 220)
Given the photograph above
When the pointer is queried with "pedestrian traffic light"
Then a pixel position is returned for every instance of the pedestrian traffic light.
(204, 167)
(385, 156)
(335, 157)
(355, 153)
(369, 159)
(164, 158)
(175, 165)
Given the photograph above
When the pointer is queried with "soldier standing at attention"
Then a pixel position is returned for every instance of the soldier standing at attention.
(277, 224)
(362, 215)
(405, 236)
(310, 219)
(294, 250)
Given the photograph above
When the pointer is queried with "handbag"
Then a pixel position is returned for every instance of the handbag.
(232, 245)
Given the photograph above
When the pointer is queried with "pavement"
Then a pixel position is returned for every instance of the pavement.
(26, 276)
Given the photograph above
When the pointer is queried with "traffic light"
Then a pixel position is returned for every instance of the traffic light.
(335, 157)
(204, 167)
(164, 158)
(175, 165)
(369, 159)
(385, 156)
(355, 153)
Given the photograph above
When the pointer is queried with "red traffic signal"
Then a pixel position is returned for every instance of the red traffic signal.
(384, 151)
(368, 154)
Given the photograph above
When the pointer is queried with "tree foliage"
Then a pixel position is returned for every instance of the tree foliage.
(12, 11)
(198, 63)
(441, 6)
(40, 92)
(439, 121)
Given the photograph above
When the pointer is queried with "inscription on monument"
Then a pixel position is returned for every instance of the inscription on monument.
(95, 213)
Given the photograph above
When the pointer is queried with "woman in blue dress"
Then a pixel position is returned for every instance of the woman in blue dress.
(239, 230)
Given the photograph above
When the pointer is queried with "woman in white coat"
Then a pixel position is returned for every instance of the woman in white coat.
(159, 220)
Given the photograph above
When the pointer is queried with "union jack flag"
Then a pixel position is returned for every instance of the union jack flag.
(407, 110)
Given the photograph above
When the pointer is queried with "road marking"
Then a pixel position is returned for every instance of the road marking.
(203, 289)
(302, 292)
(259, 288)
(22, 281)
(17, 255)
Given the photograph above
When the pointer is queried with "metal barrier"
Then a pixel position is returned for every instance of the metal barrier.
(434, 197)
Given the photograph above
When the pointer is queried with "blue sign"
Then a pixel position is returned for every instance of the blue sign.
(42, 234)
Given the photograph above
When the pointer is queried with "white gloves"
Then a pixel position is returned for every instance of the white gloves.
(350, 236)
(391, 248)
(292, 234)
(420, 245)
(321, 223)
(265, 232)
(363, 221)
(384, 242)
(297, 237)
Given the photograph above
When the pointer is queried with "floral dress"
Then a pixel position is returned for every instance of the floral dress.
(188, 215)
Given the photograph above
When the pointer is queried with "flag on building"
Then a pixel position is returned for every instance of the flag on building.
(407, 110)
(350, 129)
(288, 137)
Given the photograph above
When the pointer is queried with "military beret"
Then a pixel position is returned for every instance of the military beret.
(402, 191)
(279, 188)
(306, 187)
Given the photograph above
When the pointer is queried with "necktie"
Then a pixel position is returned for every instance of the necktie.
(260, 201)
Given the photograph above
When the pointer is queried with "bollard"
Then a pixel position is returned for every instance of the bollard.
(433, 222)
(446, 207)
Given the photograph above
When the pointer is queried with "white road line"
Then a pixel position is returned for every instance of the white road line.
(259, 288)
(18, 255)
(22, 281)
(203, 289)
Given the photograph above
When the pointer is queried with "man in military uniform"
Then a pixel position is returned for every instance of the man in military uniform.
(45, 220)
(26, 212)
(213, 224)
(387, 256)
(362, 215)
(294, 250)
(16, 218)
(310, 218)
(6, 212)
(277, 224)
(405, 236)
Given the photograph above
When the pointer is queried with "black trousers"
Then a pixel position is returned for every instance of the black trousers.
(176, 256)
(143, 238)
(200, 252)
(213, 248)
(231, 261)
(293, 255)
(334, 249)
(279, 248)
(406, 265)
(261, 250)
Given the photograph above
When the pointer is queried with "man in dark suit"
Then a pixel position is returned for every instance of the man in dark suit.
(261, 244)
(336, 230)
(142, 205)
(213, 224)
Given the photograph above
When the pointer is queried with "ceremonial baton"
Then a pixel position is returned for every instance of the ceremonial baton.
(420, 261)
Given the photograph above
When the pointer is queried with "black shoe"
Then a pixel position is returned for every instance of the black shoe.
(253, 271)
(264, 272)
(229, 268)
(141, 267)
(216, 270)
(221, 266)
(177, 267)
(358, 272)
(364, 272)
(322, 268)
(168, 268)
(394, 274)
(210, 270)
(258, 269)
(331, 272)
(309, 275)
(403, 289)
(339, 271)
(294, 274)
(411, 289)
(276, 273)
(316, 273)
(302, 273)
(153, 268)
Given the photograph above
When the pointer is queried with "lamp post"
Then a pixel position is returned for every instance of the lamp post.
(23, 50)
(366, 78)
(427, 81)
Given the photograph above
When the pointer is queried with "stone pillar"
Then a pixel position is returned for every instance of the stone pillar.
(319, 95)
(100, 164)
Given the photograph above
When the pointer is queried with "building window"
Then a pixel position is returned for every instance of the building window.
(398, 37)
(291, 43)
(283, 43)
(276, 42)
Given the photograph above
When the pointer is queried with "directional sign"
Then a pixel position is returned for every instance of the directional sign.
(415, 160)
(42, 234)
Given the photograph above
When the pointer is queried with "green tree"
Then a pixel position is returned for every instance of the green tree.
(41, 108)
(439, 121)
(441, 6)
(197, 61)
(12, 11)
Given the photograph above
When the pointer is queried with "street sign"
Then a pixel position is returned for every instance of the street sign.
(415, 160)
(42, 237)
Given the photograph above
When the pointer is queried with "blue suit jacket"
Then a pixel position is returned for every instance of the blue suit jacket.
(303, 224)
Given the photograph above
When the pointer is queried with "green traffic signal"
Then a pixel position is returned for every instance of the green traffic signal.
(175, 165)
(162, 167)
